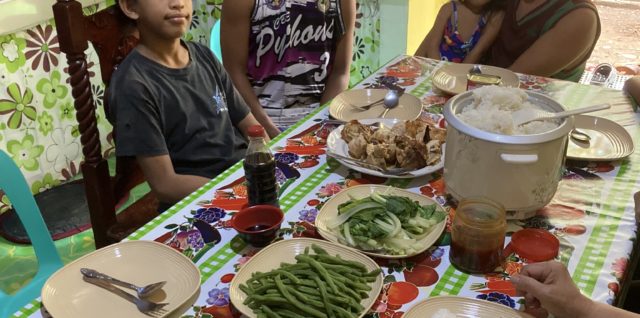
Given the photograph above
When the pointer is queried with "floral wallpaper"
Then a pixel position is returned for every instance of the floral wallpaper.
(38, 128)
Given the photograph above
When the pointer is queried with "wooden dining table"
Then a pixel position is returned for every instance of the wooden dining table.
(591, 214)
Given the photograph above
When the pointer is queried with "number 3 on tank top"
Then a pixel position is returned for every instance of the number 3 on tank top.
(325, 58)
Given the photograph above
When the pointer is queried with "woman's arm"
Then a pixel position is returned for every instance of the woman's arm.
(430, 46)
(234, 37)
(338, 80)
(559, 47)
(489, 35)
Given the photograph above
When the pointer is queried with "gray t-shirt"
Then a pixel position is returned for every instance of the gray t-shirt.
(191, 113)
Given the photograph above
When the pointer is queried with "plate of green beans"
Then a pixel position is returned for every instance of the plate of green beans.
(303, 277)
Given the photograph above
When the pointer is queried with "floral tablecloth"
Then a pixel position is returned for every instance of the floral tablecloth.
(591, 214)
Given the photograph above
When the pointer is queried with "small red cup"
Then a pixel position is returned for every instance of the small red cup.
(258, 225)
(534, 245)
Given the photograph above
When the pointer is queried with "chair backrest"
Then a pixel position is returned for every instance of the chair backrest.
(15, 186)
(113, 36)
(214, 41)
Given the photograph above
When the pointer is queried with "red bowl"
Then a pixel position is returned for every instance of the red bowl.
(258, 225)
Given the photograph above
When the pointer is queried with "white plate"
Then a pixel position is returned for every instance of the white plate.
(336, 144)
(462, 307)
(609, 141)
(341, 107)
(452, 78)
(285, 251)
(66, 294)
(329, 211)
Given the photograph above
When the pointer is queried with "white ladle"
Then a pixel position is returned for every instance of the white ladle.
(523, 116)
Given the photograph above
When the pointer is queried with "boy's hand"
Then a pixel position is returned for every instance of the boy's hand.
(272, 131)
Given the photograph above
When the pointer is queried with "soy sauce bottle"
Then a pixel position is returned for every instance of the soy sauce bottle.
(260, 170)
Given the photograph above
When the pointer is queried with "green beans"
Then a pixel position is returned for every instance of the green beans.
(269, 312)
(325, 297)
(320, 270)
(318, 285)
(293, 301)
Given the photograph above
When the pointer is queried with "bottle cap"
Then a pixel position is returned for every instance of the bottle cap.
(256, 131)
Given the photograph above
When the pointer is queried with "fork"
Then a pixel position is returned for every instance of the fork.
(146, 307)
(367, 106)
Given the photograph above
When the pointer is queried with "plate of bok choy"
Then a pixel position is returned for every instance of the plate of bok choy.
(382, 221)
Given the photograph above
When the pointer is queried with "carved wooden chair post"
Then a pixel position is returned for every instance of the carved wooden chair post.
(113, 37)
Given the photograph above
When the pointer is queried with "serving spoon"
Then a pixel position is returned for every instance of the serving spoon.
(527, 115)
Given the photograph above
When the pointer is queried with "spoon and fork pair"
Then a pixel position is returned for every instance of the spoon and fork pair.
(390, 100)
(145, 306)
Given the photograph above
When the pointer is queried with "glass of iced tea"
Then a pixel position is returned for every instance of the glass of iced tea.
(477, 235)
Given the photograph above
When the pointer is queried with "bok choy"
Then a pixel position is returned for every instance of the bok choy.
(385, 223)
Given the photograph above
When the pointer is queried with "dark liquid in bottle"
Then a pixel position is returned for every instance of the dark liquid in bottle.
(259, 169)
(257, 227)
(474, 260)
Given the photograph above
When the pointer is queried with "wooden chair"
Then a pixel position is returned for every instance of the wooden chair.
(113, 37)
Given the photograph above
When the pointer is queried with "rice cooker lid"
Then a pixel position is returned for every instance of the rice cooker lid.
(455, 105)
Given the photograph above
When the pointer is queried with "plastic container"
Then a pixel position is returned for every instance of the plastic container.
(533, 245)
(477, 236)
(260, 170)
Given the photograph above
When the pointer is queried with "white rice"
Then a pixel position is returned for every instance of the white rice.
(492, 107)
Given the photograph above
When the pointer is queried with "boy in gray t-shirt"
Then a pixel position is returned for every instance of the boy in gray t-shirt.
(173, 105)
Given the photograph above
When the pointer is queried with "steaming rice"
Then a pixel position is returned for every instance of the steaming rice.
(491, 111)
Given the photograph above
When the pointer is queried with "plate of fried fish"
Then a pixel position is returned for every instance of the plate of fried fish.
(382, 147)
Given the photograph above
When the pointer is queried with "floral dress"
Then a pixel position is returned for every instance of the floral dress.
(452, 47)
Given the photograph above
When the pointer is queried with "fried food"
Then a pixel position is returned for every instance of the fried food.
(353, 129)
(411, 144)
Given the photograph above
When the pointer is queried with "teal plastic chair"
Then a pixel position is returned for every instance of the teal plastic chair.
(214, 41)
(14, 185)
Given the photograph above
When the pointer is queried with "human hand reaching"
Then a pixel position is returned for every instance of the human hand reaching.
(548, 288)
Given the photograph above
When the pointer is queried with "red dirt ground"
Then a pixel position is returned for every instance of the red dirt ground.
(619, 42)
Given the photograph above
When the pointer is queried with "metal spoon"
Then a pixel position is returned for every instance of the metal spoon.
(146, 307)
(579, 135)
(391, 100)
(143, 292)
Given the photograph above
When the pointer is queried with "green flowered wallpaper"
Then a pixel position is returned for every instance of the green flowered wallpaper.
(366, 44)
(37, 118)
